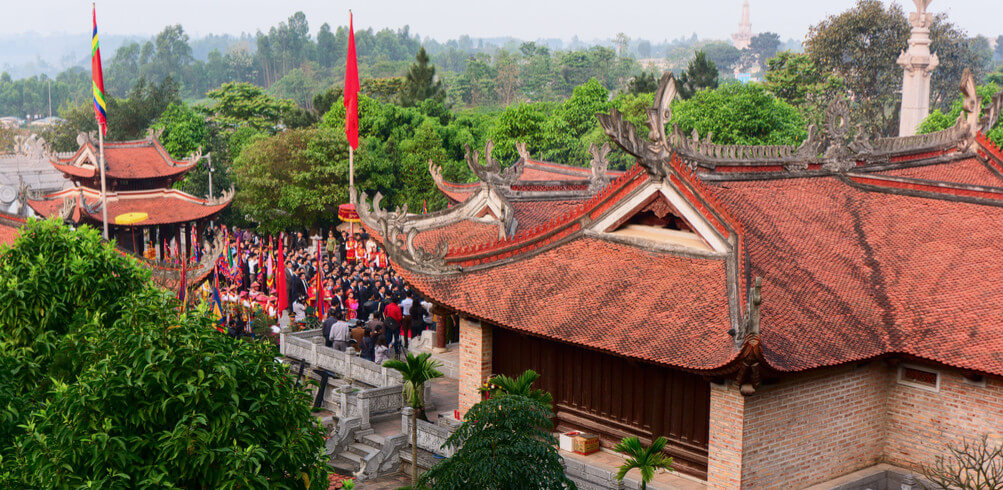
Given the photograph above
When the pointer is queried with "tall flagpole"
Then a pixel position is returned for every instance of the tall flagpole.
(104, 192)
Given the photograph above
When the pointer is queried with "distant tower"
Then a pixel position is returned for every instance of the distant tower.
(917, 63)
(743, 37)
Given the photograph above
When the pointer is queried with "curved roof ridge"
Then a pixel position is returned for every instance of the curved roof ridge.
(529, 239)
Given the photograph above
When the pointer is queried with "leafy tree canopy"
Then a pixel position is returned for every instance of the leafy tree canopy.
(420, 82)
(740, 114)
(103, 385)
(700, 74)
(513, 432)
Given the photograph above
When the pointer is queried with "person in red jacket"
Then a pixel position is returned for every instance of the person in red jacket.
(393, 312)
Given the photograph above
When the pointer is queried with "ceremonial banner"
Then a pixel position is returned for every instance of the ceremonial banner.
(97, 79)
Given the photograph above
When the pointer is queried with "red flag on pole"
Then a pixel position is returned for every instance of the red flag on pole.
(321, 307)
(351, 90)
(281, 279)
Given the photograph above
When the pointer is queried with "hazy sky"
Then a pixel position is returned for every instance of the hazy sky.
(444, 19)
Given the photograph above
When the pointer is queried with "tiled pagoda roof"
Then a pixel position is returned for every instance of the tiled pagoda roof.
(128, 160)
(163, 206)
(862, 250)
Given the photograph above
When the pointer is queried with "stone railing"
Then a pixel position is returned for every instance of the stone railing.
(922, 142)
(707, 150)
(368, 404)
(308, 346)
(431, 437)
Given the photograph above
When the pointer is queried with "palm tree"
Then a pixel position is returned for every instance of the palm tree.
(416, 370)
(521, 386)
(647, 460)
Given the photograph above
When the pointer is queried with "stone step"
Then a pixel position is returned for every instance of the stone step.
(362, 449)
(374, 440)
(363, 432)
(344, 466)
(350, 456)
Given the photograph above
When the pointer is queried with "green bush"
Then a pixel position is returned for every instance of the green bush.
(103, 384)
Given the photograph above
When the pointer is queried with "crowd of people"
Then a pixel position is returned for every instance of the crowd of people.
(345, 282)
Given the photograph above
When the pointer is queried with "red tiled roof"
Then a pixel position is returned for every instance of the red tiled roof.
(163, 206)
(535, 213)
(849, 274)
(969, 171)
(457, 192)
(464, 233)
(657, 307)
(139, 159)
(536, 170)
(9, 228)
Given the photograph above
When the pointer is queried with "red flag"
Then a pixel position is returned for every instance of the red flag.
(321, 307)
(351, 90)
(281, 279)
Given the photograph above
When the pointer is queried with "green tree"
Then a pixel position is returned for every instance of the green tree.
(294, 178)
(643, 83)
(796, 79)
(155, 399)
(416, 371)
(644, 459)
(723, 55)
(420, 82)
(764, 45)
(700, 74)
(956, 52)
(185, 131)
(235, 104)
(861, 46)
(513, 432)
(740, 114)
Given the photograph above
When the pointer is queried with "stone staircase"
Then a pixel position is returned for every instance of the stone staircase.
(370, 456)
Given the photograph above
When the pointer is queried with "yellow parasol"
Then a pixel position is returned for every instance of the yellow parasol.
(130, 218)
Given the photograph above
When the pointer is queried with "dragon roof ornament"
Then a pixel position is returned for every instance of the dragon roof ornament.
(491, 172)
(836, 148)
(599, 179)
(398, 236)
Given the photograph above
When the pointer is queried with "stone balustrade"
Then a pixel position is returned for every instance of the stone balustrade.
(431, 437)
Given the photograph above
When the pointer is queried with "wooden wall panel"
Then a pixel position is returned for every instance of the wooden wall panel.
(613, 396)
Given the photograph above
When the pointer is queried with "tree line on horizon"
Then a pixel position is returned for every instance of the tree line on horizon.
(296, 147)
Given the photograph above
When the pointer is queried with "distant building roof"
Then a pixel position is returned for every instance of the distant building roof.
(140, 159)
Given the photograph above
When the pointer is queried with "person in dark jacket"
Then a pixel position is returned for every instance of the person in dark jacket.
(368, 345)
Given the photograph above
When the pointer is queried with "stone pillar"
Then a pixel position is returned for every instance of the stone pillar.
(724, 445)
(441, 324)
(917, 63)
(475, 361)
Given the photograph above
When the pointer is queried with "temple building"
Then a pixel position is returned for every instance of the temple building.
(784, 315)
(145, 213)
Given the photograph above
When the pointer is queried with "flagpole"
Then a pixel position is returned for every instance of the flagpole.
(104, 192)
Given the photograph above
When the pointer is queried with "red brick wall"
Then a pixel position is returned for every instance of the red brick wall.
(814, 427)
(475, 361)
(921, 422)
(724, 443)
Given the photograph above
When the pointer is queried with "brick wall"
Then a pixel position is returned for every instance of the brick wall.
(814, 427)
(724, 443)
(475, 361)
(922, 422)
